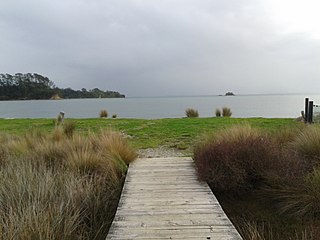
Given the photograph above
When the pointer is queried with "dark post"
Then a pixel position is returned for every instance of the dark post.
(306, 110)
(310, 111)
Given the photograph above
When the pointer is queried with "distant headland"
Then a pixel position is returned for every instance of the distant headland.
(31, 86)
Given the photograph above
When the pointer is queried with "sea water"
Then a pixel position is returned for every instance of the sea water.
(267, 106)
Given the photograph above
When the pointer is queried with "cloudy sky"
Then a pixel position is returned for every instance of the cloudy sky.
(166, 47)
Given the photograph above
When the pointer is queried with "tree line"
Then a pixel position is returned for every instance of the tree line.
(35, 86)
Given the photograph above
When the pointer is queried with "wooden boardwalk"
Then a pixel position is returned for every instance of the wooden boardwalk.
(163, 199)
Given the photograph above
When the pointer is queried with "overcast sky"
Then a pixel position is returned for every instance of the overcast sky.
(165, 47)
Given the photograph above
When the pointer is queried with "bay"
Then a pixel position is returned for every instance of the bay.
(267, 106)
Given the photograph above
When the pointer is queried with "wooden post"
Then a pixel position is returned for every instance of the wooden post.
(306, 110)
(310, 111)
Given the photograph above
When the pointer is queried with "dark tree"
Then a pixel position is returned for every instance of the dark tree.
(35, 86)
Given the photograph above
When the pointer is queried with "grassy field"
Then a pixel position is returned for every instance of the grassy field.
(174, 133)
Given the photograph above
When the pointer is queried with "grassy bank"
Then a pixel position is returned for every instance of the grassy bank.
(176, 133)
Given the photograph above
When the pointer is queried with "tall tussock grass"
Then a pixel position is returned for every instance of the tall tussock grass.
(263, 230)
(282, 168)
(191, 113)
(218, 112)
(251, 230)
(60, 188)
(103, 113)
(226, 112)
(234, 159)
(301, 200)
(307, 143)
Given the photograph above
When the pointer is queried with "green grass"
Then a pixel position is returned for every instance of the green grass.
(177, 133)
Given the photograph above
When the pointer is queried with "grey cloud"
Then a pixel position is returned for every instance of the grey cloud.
(166, 47)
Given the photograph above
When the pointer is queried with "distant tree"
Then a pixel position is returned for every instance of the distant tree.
(36, 86)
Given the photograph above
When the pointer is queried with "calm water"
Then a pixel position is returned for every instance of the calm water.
(267, 106)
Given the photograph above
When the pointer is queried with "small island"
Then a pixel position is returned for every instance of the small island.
(229, 94)
(32, 86)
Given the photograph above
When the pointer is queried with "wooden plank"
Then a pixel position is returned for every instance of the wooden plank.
(163, 199)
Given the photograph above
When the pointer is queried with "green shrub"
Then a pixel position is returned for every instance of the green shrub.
(226, 112)
(191, 113)
(218, 112)
(235, 159)
(103, 113)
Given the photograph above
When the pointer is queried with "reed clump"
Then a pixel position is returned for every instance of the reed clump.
(226, 112)
(60, 187)
(103, 113)
(191, 113)
(218, 112)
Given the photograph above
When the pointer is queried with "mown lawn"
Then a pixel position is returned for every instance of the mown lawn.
(178, 133)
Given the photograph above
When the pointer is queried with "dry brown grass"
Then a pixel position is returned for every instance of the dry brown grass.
(307, 143)
(282, 169)
(226, 112)
(55, 187)
(103, 113)
(191, 113)
(235, 159)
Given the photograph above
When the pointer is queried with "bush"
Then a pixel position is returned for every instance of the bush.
(103, 114)
(235, 159)
(192, 113)
(218, 112)
(226, 112)
(114, 115)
